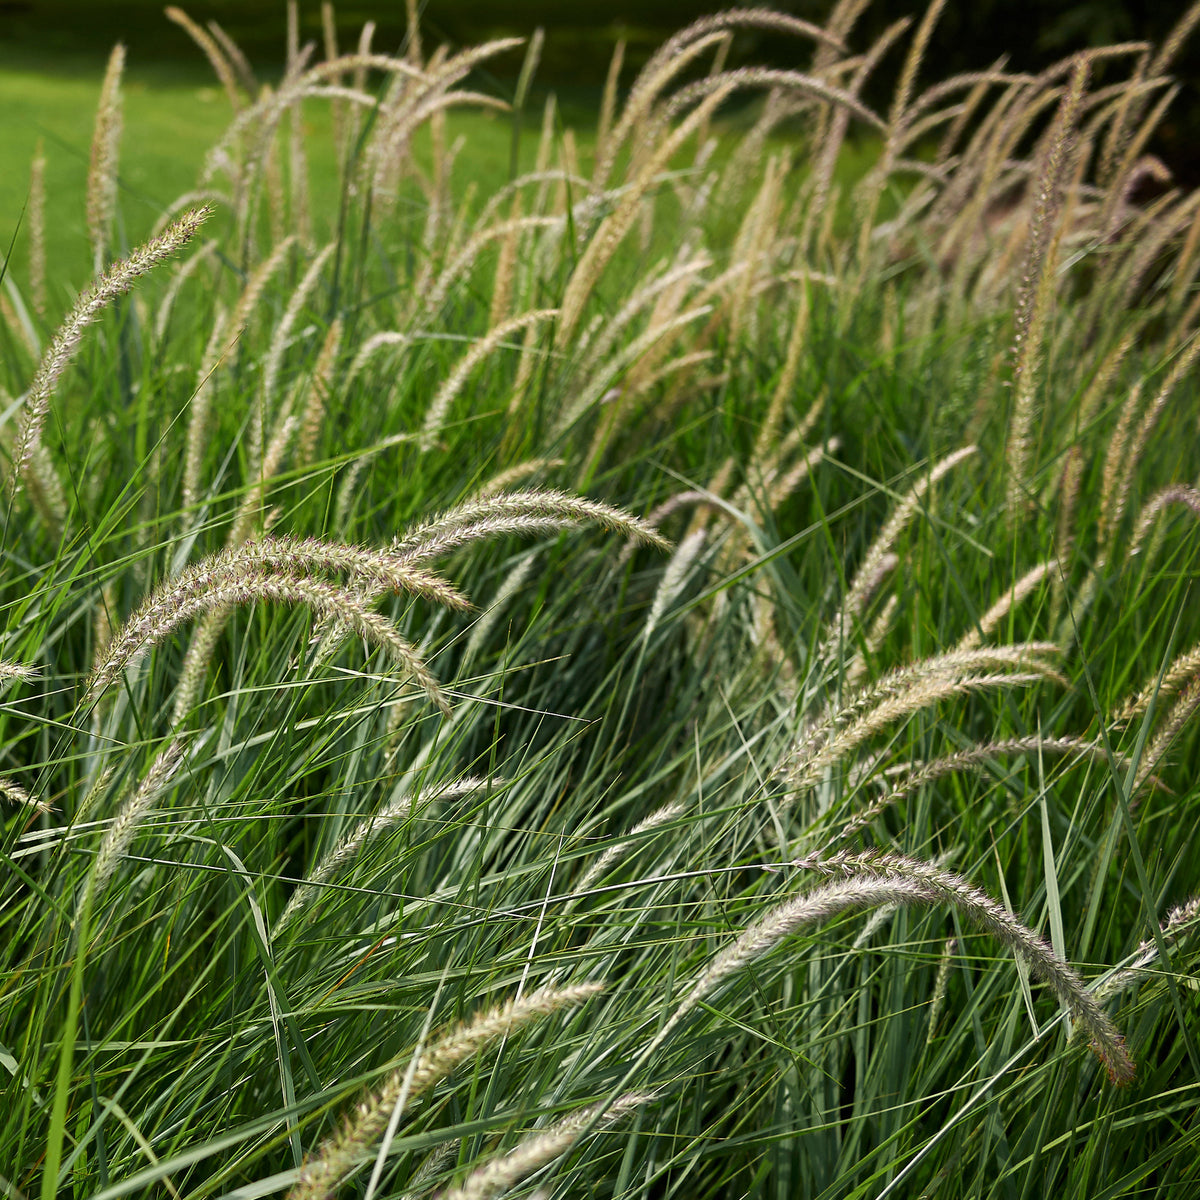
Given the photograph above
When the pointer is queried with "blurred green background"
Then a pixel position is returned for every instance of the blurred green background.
(73, 36)
(970, 32)
(52, 54)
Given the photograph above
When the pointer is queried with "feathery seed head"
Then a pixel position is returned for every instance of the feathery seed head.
(119, 278)
(320, 1175)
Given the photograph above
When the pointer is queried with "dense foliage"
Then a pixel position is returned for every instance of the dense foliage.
(674, 676)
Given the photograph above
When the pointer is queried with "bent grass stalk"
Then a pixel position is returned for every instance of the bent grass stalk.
(221, 344)
(866, 578)
(877, 880)
(117, 280)
(811, 763)
(376, 569)
(990, 621)
(344, 606)
(102, 161)
(14, 793)
(321, 1175)
(371, 827)
(974, 759)
(517, 512)
(534, 1151)
(120, 833)
(435, 417)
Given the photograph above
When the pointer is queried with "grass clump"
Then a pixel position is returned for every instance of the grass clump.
(440, 621)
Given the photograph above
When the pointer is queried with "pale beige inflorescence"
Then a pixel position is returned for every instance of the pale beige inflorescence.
(541, 1147)
(119, 278)
(874, 880)
(321, 1175)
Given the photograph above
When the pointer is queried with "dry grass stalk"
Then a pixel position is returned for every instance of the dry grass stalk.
(430, 302)
(371, 346)
(320, 388)
(1179, 493)
(183, 273)
(1135, 167)
(612, 230)
(517, 474)
(120, 833)
(1162, 687)
(14, 315)
(298, 198)
(901, 681)
(617, 398)
(990, 621)
(781, 81)
(867, 577)
(243, 147)
(608, 100)
(875, 880)
(506, 265)
(118, 279)
(912, 65)
(1178, 715)
(212, 51)
(642, 97)
(1038, 278)
(46, 493)
(20, 672)
(237, 60)
(897, 127)
(810, 764)
(674, 579)
(413, 38)
(1149, 68)
(677, 52)
(250, 510)
(872, 642)
(1126, 448)
(330, 44)
(1180, 370)
(435, 416)
(512, 585)
(1183, 274)
(348, 849)
(201, 647)
(504, 1172)
(1181, 922)
(365, 567)
(1037, 655)
(615, 854)
(37, 231)
(1085, 415)
(517, 512)
(903, 782)
(14, 793)
(592, 351)
(754, 244)
(339, 1154)
(531, 357)
(940, 987)
(836, 118)
(785, 389)
(240, 585)
(428, 94)
(102, 160)
(224, 338)
(1114, 491)
(283, 332)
